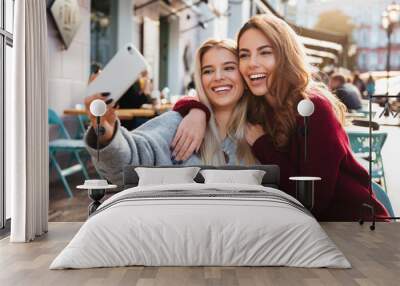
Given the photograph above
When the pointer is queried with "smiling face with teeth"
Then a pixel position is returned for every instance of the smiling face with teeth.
(257, 60)
(221, 78)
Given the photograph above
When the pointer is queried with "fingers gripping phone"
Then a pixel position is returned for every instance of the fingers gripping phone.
(119, 74)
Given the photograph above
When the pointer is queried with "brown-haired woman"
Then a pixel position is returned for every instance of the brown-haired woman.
(274, 67)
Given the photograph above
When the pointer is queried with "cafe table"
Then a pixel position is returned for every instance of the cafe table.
(126, 114)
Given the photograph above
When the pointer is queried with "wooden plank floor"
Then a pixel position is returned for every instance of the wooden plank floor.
(375, 257)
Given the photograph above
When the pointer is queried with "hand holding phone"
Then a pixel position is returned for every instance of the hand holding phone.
(107, 121)
(119, 74)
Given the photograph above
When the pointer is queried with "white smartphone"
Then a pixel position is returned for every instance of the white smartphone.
(119, 74)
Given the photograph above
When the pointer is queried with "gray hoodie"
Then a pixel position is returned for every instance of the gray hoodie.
(148, 144)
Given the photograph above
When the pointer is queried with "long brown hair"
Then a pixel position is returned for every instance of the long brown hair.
(210, 150)
(288, 83)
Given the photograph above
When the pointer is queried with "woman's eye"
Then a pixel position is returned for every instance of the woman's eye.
(242, 56)
(266, 53)
(207, 71)
(230, 68)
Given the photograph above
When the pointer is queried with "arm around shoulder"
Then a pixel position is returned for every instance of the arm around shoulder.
(185, 105)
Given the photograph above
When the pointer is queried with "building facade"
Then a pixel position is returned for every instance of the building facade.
(166, 32)
(368, 35)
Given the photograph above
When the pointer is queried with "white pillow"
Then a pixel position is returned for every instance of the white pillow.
(166, 176)
(248, 177)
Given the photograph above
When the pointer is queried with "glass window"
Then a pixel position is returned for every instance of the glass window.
(8, 86)
(2, 171)
(6, 29)
(103, 31)
(374, 37)
(2, 43)
(361, 60)
(9, 9)
(373, 60)
(1, 14)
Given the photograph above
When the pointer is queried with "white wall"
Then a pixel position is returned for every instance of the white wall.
(151, 47)
(69, 69)
(239, 14)
(125, 25)
(184, 34)
(174, 71)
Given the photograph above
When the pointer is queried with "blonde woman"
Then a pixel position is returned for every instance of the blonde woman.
(220, 88)
(273, 65)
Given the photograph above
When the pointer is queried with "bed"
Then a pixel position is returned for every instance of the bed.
(201, 224)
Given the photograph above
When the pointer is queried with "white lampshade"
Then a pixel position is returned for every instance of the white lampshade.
(98, 107)
(305, 107)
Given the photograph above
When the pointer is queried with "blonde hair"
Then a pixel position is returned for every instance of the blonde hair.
(210, 150)
(288, 83)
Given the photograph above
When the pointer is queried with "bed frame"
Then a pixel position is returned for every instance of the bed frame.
(270, 179)
(131, 179)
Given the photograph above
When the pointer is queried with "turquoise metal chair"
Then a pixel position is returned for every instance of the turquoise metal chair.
(383, 198)
(359, 141)
(83, 122)
(67, 145)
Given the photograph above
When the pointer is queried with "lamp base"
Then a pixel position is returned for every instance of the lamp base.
(96, 191)
(305, 188)
(96, 195)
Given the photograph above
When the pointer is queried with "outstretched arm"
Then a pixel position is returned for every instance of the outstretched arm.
(147, 145)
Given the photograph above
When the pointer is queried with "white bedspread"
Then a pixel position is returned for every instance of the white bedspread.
(190, 230)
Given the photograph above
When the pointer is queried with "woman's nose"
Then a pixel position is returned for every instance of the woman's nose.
(253, 61)
(219, 74)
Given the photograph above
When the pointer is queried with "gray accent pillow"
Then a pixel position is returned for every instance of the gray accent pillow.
(166, 176)
(248, 177)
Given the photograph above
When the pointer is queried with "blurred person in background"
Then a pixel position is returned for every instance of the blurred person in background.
(322, 77)
(137, 95)
(359, 83)
(191, 84)
(346, 92)
(370, 85)
(95, 70)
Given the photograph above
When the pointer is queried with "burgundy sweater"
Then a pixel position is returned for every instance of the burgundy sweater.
(345, 183)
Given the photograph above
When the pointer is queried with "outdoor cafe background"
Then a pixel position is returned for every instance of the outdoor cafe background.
(167, 35)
